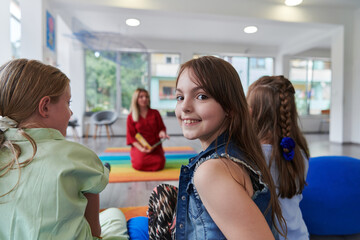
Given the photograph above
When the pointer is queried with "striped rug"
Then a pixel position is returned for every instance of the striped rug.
(122, 171)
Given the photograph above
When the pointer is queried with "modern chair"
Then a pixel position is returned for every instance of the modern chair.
(106, 118)
(331, 199)
(325, 121)
(73, 123)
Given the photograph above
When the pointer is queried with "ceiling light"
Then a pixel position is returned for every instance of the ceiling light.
(133, 22)
(293, 3)
(250, 29)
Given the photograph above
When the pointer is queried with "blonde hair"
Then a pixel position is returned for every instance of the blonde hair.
(272, 102)
(134, 109)
(23, 83)
(219, 79)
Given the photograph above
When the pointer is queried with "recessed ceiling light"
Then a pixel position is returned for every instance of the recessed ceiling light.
(250, 29)
(293, 3)
(133, 22)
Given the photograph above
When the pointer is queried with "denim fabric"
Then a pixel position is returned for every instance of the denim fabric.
(192, 219)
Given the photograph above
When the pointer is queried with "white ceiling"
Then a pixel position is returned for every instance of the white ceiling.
(199, 26)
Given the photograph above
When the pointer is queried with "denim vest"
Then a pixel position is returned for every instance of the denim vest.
(192, 219)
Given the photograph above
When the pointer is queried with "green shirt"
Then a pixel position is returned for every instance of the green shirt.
(49, 202)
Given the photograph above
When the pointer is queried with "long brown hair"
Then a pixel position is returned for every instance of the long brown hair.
(134, 108)
(219, 79)
(23, 83)
(273, 107)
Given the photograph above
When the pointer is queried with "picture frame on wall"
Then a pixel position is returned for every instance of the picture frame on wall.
(50, 31)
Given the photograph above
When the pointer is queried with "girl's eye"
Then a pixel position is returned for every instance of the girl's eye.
(69, 102)
(202, 97)
(179, 98)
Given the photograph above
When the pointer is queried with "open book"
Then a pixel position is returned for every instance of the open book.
(144, 143)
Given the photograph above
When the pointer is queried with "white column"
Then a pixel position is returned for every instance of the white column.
(5, 44)
(32, 25)
(355, 87)
(70, 59)
(337, 87)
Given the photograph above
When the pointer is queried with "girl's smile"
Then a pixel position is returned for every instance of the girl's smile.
(190, 121)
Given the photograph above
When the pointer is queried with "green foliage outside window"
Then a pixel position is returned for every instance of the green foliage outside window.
(101, 78)
(133, 72)
(100, 82)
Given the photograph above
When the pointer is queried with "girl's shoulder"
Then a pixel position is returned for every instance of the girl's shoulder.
(237, 164)
(221, 173)
(67, 150)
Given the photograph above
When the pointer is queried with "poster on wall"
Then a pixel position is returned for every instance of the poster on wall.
(50, 31)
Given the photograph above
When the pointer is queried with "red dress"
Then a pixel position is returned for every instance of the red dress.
(149, 128)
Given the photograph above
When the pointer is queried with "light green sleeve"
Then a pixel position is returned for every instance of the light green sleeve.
(90, 174)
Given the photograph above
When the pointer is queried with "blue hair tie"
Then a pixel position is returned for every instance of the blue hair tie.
(288, 145)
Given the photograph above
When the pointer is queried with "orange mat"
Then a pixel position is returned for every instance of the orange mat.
(131, 212)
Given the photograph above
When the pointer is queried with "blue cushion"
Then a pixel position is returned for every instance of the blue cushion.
(138, 228)
(331, 203)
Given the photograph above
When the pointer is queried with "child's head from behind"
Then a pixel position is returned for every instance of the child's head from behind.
(273, 110)
(272, 105)
(217, 80)
(28, 87)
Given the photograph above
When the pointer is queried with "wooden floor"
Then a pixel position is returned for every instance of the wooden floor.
(137, 193)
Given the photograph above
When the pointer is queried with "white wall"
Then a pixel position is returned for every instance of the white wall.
(355, 88)
(5, 44)
(70, 59)
(340, 19)
(186, 50)
(32, 30)
(345, 47)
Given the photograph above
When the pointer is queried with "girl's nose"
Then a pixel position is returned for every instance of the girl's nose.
(186, 105)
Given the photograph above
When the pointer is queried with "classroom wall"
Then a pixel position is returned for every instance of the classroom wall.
(5, 44)
(345, 39)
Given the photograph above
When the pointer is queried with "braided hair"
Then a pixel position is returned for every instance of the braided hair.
(275, 119)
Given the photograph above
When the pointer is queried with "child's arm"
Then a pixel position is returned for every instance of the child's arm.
(92, 213)
(228, 201)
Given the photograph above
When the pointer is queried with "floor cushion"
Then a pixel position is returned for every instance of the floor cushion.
(331, 200)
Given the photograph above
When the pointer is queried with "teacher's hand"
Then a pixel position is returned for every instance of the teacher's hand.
(162, 134)
(145, 150)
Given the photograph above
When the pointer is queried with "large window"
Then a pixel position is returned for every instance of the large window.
(100, 81)
(164, 67)
(112, 78)
(312, 81)
(249, 68)
(15, 28)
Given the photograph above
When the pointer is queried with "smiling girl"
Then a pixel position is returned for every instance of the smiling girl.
(226, 191)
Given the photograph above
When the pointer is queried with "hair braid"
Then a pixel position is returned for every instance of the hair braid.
(285, 112)
(272, 101)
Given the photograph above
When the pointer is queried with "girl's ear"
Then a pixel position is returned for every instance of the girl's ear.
(44, 106)
(228, 114)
